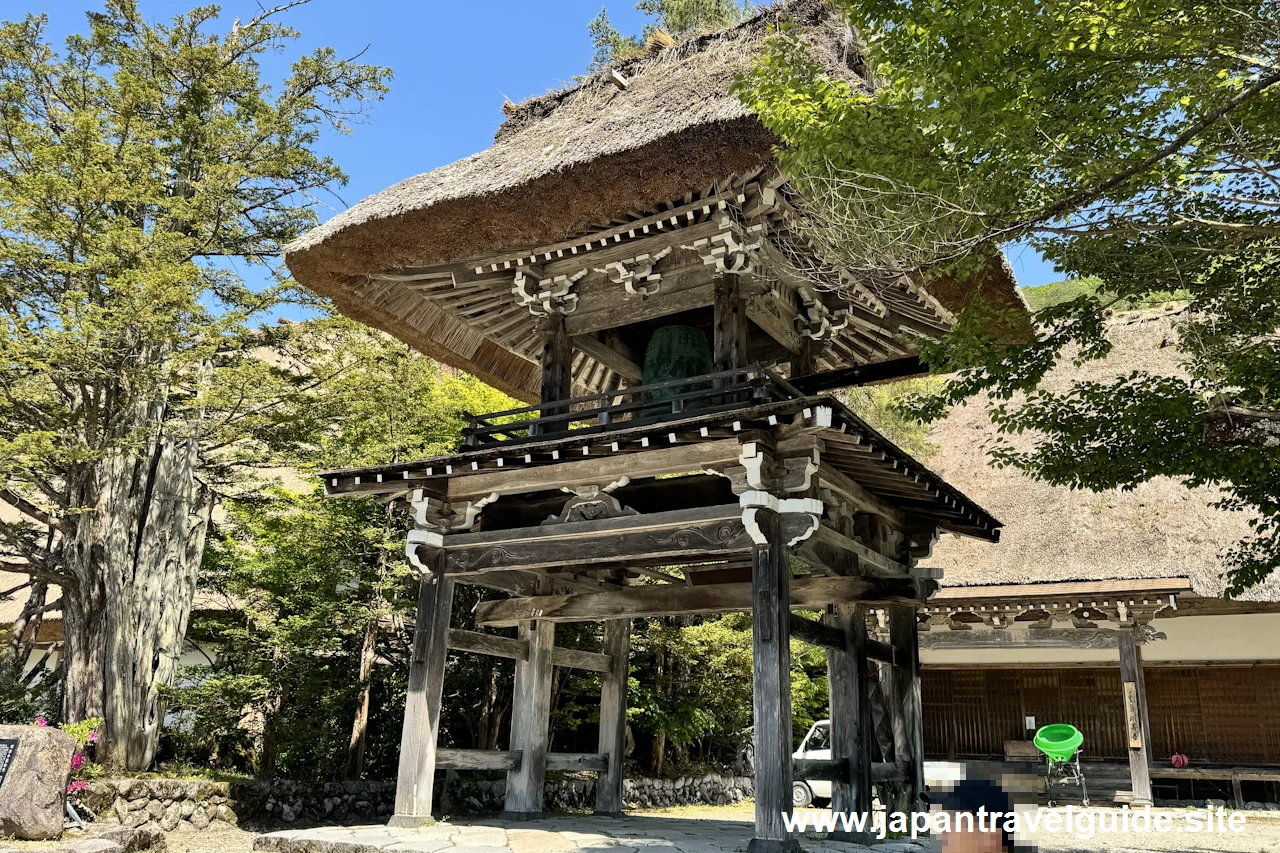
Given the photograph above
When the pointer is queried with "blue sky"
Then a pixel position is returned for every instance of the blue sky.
(455, 61)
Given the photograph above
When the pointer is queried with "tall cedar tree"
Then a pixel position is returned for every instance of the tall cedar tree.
(1133, 140)
(135, 164)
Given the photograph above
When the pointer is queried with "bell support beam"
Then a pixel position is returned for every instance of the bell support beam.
(639, 602)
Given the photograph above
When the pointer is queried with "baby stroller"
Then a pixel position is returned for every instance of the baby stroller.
(1060, 744)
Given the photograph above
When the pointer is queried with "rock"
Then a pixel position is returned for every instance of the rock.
(33, 797)
(129, 788)
(166, 789)
(1273, 807)
(155, 810)
(199, 819)
(121, 807)
(172, 816)
(92, 845)
(98, 796)
(131, 840)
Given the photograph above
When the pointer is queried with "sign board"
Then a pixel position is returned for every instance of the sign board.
(8, 749)
(1132, 718)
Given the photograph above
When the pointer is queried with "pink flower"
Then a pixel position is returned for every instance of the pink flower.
(77, 761)
(77, 785)
(93, 737)
(42, 722)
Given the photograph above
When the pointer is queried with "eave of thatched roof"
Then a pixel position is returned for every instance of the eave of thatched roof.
(581, 161)
(1161, 529)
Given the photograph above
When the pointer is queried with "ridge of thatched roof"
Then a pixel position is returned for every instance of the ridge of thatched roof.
(1160, 529)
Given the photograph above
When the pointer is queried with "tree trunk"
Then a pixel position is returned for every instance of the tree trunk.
(133, 561)
(360, 728)
(658, 756)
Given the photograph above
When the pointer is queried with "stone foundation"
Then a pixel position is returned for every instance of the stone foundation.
(169, 803)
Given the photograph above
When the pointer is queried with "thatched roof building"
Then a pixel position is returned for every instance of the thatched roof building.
(1161, 529)
(658, 143)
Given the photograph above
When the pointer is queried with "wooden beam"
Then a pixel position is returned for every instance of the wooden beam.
(854, 492)
(512, 649)
(477, 759)
(488, 644)
(576, 659)
(837, 771)
(650, 601)
(863, 374)
(816, 633)
(681, 535)
(613, 716)
(609, 357)
(680, 459)
(564, 761)
(511, 760)
(828, 545)
(416, 774)
(656, 575)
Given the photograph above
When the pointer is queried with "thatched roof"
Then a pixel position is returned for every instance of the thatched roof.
(572, 158)
(1161, 529)
(568, 164)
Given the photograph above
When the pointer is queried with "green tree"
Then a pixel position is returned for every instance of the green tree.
(672, 17)
(319, 588)
(1131, 140)
(135, 164)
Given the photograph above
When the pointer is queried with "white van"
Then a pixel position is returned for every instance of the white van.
(816, 744)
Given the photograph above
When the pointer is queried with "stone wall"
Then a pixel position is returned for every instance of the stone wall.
(464, 793)
(170, 803)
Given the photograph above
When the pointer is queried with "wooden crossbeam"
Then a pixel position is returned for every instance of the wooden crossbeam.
(670, 600)
(827, 637)
(609, 357)
(512, 649)
(837, 770)
(680, 459)
(492, 759)
(683, 534)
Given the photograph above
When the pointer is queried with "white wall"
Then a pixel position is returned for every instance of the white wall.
(1246, 637)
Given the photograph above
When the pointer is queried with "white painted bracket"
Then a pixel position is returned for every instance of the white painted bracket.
(429, 538)
(547, 296)
(636, 274)
(753, 501)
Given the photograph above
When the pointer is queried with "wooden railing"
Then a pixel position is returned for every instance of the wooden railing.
(629, 407)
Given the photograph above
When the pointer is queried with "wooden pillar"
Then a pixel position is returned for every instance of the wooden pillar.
(1137, 727)
(771, 690)
(729, 348)
(908, 729)
(803, 363)
(613, 716)
(416, 775)
(847, 676)
(530, 722)
(557, 359)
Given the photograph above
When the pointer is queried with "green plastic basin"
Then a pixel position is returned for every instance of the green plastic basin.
(1059, 741)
